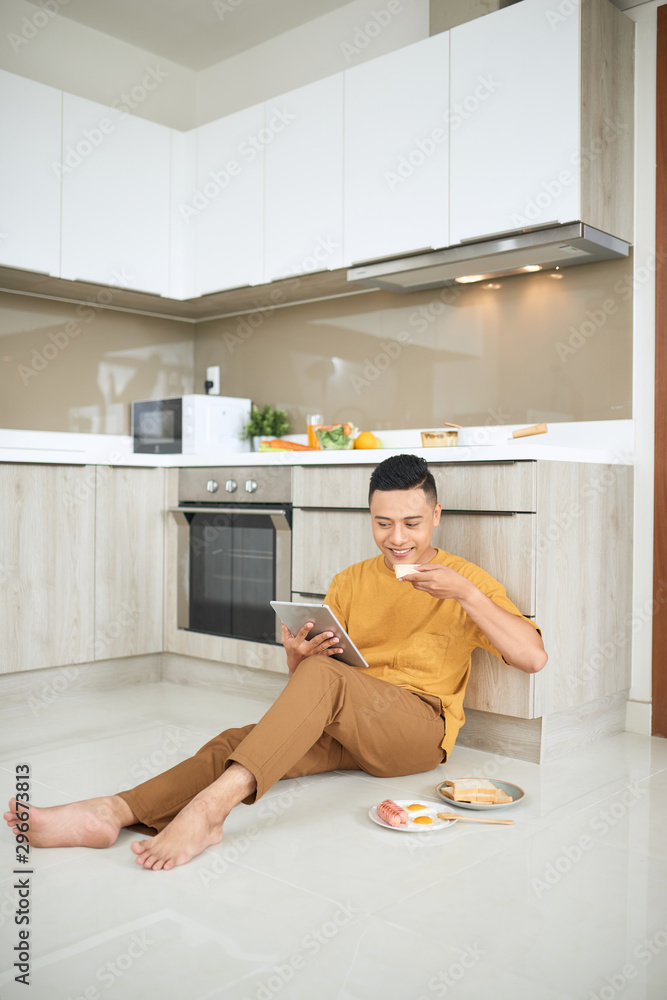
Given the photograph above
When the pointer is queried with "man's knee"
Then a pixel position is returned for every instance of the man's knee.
(321, 669)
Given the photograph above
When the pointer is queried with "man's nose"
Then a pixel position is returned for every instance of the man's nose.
(397, 539)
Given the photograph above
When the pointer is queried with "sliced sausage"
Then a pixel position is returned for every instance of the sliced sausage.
(391, 813)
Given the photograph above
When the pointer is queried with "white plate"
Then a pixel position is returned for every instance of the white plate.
(431, 810)
(507, 786)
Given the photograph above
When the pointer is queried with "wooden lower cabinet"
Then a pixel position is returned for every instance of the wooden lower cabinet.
(501, 544)
(47, 565)
(564, 557)
(129, 561)
(81, 564)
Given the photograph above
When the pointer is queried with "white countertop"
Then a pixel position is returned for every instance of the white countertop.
(601, 441)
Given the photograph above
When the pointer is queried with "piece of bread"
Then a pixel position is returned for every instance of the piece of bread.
(472, 785)
(475, 790)
(406, 570)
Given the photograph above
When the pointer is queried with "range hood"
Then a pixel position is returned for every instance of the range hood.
(558, 246)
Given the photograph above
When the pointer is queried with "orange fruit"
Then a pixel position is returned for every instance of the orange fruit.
(366, 440)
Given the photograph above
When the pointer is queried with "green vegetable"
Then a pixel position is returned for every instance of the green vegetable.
(266, 423)
(334, 439)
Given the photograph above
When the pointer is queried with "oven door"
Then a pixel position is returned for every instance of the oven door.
(232, 562)
(157, 426)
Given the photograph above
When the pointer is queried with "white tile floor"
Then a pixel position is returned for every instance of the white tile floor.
(306, 898)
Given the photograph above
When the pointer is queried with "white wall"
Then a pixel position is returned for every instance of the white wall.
(639, 709)
(60, 52)
(364, 29)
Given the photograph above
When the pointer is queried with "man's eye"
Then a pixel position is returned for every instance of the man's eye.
(413, 525)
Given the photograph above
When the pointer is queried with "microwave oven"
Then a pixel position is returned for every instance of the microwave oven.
(189, 425)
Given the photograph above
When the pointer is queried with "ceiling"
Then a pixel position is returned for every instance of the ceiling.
(200, 33)
(627, 4)
(196, 33)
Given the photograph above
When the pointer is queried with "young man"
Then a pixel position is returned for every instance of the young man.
(400, 715)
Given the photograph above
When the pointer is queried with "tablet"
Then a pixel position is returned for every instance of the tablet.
(295, 617)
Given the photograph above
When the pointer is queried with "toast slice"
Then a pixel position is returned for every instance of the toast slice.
(406, 570)
(475, 790)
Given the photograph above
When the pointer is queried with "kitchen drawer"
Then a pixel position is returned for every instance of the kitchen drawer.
(502, 544)
(325, 542)
(492, 486)
(494, 686)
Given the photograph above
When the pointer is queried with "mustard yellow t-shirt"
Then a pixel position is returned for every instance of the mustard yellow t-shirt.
(410, 638)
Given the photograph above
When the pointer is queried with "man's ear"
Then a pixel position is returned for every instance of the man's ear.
(437, 510)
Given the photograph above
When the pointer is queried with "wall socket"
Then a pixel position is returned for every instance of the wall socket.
(213, 380)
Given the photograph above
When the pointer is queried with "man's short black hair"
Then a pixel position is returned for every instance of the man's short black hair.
(403, 472)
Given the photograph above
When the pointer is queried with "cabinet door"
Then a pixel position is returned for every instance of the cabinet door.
(514, 139)
(229, 201)
(47, 565)
(304, 180)
(502, 544)
(396, 152)
(115, 223)
(496, 687)
(339, 538)
(129, 561)
(182, 242)
(30, 125)
(483, 486)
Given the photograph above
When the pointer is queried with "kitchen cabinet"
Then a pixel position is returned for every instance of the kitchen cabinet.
(396, 152)
(47, 565)
(183, 225)
(115, 197)
(129, 561)
(228, 202)
(304, 180)
(555, 534)
(502, 544)
(541, 120)
(30, 125)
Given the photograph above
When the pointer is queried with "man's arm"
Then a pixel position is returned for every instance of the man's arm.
(518, 642)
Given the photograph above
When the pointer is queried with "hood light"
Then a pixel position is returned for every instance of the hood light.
(468, 278)
(532, 267)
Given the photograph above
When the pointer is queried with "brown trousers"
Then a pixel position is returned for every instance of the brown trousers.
(328, 717)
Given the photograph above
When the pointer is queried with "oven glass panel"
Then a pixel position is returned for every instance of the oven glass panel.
(232, 575)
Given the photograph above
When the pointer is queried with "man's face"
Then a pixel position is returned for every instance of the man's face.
(403, 522)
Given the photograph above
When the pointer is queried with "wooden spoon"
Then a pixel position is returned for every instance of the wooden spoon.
(476, 819)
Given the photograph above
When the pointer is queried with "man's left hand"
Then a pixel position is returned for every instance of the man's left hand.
(439, 581)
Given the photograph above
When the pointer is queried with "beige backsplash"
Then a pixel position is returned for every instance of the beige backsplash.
(533, 349)
(465, 353)
(67, 367)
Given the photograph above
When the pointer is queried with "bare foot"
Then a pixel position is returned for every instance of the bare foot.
(91, 823)
(196, 827)
(199, 824)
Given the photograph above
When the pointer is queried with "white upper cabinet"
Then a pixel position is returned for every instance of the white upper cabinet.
(115, 197)
(182, 241)
(304, 180)
(30, 127)
(514, 120)
(396, 152)
(228, 203)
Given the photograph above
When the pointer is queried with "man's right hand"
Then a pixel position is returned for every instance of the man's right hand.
(298, 647)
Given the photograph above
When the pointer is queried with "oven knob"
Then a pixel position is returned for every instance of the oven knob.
(250, 486)
(231, 485)
(212, 486)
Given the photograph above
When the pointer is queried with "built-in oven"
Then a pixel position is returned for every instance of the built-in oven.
(234, 549)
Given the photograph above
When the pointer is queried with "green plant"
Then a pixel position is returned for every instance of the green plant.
(266, 421)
